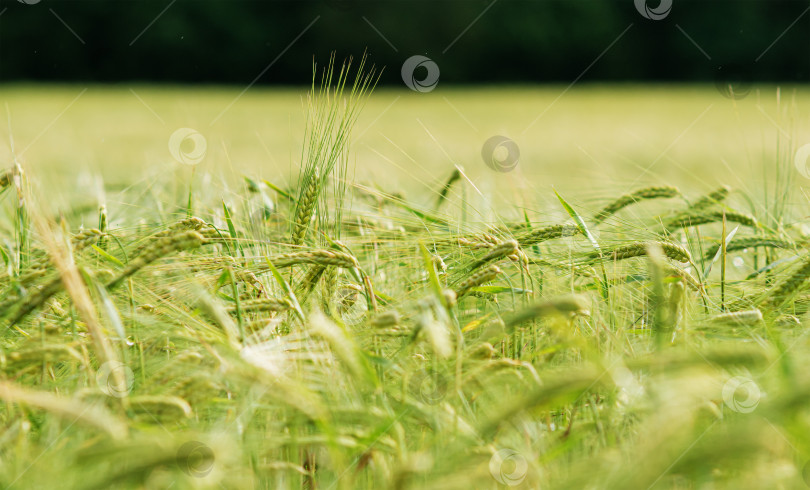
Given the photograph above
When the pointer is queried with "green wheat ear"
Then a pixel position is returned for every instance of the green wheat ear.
(715, 197)
(639, 249)
(331, 115)
(647, 193)
(789, 287)
(751, 242)
(476, 279)
(184, 240)
(306, 206)
(688, 220)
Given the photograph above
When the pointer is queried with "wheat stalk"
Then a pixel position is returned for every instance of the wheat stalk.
(250, 279)
(438, 262)
(483, 351)
(647, 193)
(565, 305)
(747, 317)
(328, 286)
(262, 304)
(789, 286)
(476, 242)
(534, 237)
(32, 300)
(193, 223)
(330, 119)
(102, 225)
(306, 206)
(750, 242)
(85, 238)
(165, 246)
(476, 279)
(308, 282)
(466, 242)
(160, 405)
(715, 197)
(682, 274)
(576, 269)
(689, 220)
(65, 408)
(316, 257)
(639, 249)
(507, 248)
(46, 353)
(38, 268)
(77, 288)
(387, 319)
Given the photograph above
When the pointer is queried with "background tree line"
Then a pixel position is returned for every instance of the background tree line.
(472, 41)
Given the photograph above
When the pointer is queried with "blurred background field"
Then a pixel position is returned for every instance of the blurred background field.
(594, 139)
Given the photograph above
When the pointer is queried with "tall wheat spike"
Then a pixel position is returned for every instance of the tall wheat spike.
(331, 116)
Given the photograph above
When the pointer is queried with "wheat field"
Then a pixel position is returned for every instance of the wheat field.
(333, 288)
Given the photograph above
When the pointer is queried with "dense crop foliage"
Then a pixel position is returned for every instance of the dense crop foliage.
(331, 334)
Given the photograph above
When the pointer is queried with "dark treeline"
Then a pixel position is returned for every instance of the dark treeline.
(472, 41)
